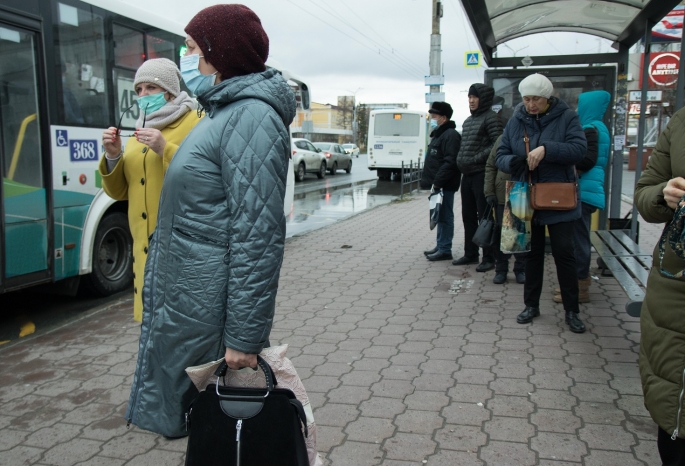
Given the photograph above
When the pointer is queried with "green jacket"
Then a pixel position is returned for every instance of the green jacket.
(214, 260)
(495, 180)
(662, 321)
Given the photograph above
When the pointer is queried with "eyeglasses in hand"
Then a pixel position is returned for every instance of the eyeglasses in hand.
(121, 118)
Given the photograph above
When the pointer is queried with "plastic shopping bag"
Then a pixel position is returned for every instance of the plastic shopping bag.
(435, 204)
(516, 221)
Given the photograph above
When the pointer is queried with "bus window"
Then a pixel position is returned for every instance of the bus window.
(129, 51)
(80, 47)
(388, 124)
(160, 48)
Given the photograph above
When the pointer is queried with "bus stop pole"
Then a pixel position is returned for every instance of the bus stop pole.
(641, 123)
(681, 77)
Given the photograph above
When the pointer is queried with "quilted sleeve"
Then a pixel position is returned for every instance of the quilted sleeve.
(254, 163)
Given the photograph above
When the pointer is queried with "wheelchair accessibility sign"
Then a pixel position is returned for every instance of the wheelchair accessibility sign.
(61, 137)
(472, 59)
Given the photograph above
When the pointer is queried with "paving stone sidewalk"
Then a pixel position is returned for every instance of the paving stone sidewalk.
(406, 362)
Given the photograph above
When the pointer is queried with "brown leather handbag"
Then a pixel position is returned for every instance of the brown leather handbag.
(552, 195)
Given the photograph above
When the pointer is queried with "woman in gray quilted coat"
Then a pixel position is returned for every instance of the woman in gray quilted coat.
(214, 260)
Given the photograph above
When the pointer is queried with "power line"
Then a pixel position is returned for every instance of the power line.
(337, 16)
(468, 38)
(371, 28)
(410, 73)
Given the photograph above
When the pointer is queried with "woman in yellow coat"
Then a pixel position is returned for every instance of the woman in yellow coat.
(136, 173)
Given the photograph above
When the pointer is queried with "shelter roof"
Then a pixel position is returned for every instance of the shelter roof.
(622, 21)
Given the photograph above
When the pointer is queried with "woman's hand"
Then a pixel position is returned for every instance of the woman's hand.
(112, 142)
(535, 157)
(237, 360)
(674, 191)
(152, 138)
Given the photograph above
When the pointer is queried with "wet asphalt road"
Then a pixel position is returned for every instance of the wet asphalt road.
(317, 203)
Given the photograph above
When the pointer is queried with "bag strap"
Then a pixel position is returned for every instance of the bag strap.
(526, 139)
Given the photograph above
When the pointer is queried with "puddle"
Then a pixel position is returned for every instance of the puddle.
(324, 206)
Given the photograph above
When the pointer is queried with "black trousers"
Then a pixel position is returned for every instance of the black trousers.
(561, 237)
(672, 452)
(472, 207)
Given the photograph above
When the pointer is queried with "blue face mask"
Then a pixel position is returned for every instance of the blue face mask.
(197, 82)
(151, 103)
(434, 124)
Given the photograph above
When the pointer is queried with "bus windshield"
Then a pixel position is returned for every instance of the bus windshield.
(396, 124)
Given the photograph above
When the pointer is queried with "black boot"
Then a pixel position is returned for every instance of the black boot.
(574, 323)
(527, 315)
(500, 277)
(465, 260)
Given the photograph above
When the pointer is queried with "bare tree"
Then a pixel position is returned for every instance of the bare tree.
(362, 126)
(345, 111)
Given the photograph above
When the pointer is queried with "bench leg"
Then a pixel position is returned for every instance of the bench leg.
(633, 308)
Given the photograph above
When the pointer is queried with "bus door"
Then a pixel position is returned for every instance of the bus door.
(25, 232)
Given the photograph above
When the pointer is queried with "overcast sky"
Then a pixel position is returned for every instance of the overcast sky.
(379, 48)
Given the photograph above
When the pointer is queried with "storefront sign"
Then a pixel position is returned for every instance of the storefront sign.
(652, 96)
(663, 70)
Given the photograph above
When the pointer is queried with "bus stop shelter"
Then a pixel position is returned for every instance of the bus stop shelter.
(624, 22)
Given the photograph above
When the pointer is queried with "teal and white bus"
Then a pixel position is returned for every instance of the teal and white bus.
(66, 74)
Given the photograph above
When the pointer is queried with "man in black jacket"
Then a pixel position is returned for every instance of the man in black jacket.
(480, 130)
(440, 172)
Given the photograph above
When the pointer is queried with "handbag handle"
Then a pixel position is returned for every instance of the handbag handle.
(526, 139)
(266, 368)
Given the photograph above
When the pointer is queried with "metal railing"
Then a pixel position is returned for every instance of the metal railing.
(409, 175)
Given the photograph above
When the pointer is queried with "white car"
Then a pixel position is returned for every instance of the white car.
(351, 149)
(307, 159)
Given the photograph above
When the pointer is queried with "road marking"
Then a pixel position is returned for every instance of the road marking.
(27, 329)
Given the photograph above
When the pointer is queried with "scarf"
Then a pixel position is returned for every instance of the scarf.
(170, 112)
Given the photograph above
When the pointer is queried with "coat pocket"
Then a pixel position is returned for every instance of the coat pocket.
(201, 261)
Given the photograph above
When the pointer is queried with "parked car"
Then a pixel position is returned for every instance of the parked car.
(336, 157)
(351, 149)
(307, 159)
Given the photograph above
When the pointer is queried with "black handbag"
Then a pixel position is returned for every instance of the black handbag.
(246, 426)
(485, 234)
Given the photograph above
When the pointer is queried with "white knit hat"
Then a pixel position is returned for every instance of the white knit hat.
(162, 72)
(536, 84)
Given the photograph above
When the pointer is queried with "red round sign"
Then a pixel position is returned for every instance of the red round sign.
(663, 70)
(82, 179)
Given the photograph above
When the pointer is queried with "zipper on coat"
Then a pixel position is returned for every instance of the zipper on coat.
(152, 293)
(238, 428)
(680, 408)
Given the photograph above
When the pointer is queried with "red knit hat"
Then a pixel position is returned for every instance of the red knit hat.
(231, 38)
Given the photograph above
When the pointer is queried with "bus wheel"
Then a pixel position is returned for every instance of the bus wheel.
(112, 256)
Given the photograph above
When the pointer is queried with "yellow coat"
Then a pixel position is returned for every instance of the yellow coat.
(138, 178)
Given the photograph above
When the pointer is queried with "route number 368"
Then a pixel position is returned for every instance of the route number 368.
(83, 150)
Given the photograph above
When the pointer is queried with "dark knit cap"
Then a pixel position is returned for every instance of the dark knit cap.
(473, 90)
(231, 38)
(441, 108)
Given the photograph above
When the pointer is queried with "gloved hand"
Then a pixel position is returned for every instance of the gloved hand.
(518, 165)
(492, 200)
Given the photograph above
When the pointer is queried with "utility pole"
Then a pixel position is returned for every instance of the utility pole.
(435, 80)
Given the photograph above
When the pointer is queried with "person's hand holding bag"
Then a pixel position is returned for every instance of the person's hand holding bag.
(518, 165)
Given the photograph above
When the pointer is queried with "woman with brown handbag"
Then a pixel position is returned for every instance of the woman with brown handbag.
(544, 139)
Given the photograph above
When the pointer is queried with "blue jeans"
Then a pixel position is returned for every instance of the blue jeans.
(446, 223)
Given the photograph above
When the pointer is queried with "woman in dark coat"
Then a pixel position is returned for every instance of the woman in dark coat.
(557, 143)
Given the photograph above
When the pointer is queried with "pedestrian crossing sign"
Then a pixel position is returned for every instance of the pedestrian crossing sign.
(472, 59)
